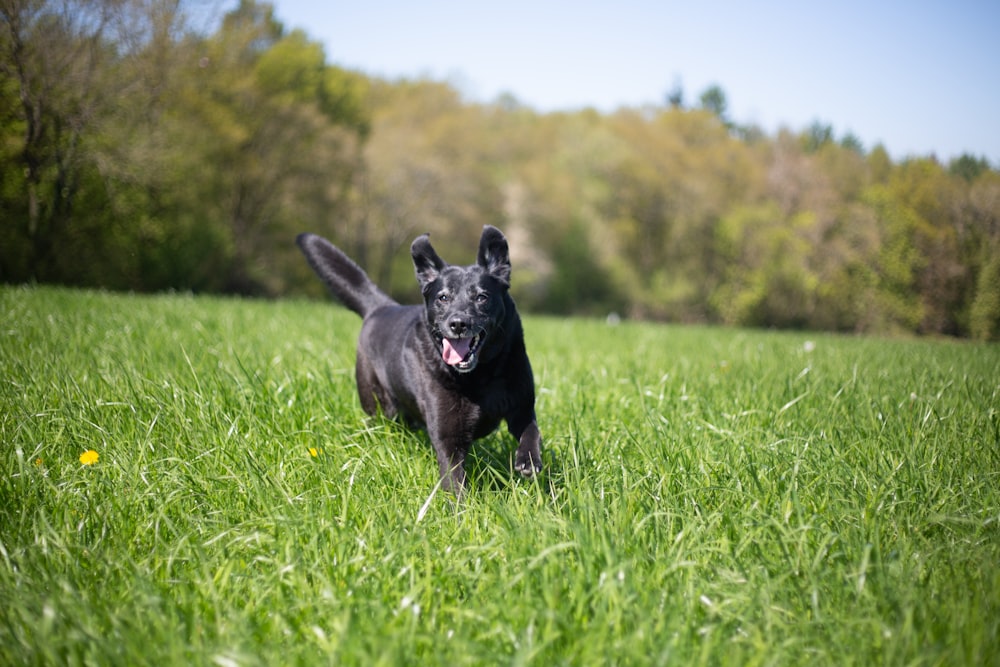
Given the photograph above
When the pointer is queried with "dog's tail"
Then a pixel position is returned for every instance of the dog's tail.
(346, 280)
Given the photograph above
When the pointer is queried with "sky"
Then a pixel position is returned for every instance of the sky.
(921, 78)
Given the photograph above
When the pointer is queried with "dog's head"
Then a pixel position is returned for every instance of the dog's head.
(465, 305)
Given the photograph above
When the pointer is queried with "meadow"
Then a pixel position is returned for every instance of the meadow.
(191, 480)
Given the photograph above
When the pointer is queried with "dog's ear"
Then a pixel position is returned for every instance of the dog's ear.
(494, 255)
(426, 261)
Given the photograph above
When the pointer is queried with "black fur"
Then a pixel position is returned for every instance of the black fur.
(456, 365)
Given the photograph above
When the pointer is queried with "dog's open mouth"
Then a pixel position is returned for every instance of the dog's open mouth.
(460, 353)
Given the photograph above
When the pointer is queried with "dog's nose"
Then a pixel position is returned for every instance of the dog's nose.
(457, 327)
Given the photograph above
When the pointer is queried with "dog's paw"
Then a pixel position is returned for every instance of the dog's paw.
(527, 462)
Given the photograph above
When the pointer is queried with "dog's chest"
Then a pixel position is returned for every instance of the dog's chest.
(486, 403)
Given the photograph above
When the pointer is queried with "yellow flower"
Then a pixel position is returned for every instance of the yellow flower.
(313, 452)
(89, 457)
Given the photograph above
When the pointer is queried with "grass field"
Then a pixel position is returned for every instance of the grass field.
(711, 497)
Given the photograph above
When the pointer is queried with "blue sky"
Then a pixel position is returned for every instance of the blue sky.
(919, 77)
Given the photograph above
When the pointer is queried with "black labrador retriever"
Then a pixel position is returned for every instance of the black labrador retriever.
(456, 365)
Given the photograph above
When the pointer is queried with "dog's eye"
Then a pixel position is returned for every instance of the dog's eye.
(444, 298)
(482, 299)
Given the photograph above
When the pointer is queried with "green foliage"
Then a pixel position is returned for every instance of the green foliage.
(190, 155)
(713, 100)
(768, 280)
(711, 496)
(153, 157)
(582, 285)
(852, 142)
(985, 315)
(818, 135)
(295, 69)
(968, 167)
(897, 262)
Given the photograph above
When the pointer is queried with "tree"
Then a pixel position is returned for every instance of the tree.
(273, 134)
(816, 136)
(54, 58)
(985, 315)
(943, 280)
(968, 167)
(851, 142)
(675, 96)
(136, 154)
(897, 265)
(768, 279)
(713, 100)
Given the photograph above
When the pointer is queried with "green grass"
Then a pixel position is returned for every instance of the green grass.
(711, 496)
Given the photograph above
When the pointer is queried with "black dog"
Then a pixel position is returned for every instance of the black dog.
(457, 365)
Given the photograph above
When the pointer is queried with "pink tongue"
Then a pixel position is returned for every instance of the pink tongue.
(455, 349)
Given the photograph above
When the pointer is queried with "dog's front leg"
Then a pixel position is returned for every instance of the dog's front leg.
(451, 452)
(528, 458)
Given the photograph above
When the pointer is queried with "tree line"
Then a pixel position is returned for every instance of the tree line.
(141, 151)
